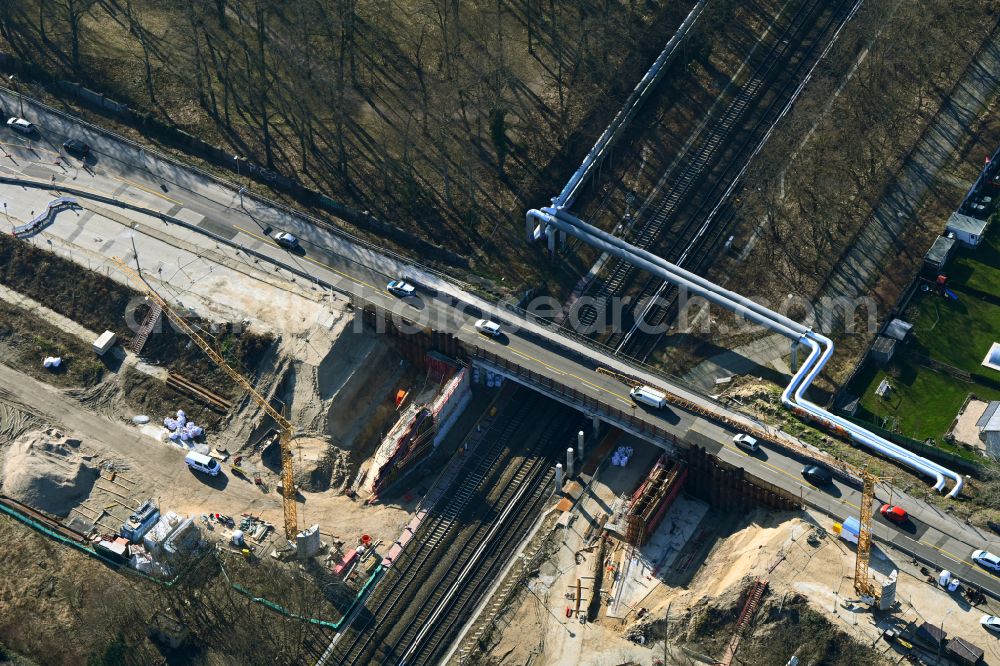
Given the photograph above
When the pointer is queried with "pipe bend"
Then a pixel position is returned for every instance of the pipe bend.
(821, 347)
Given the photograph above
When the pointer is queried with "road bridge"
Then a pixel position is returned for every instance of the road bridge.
(207, 213)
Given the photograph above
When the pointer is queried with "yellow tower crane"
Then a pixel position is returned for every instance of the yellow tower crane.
(284, 426)
(862, 583)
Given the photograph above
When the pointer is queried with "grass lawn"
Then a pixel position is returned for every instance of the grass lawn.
(924, 402)
(958, 333)
(979, 268)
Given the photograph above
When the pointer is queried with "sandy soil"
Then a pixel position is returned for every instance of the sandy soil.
(149, 468)
(764, 544)
(47, 470)
(965, 430)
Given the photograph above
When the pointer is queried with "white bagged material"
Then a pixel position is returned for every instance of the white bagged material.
(52, 361)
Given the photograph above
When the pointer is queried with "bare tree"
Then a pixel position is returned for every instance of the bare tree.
(73, 11)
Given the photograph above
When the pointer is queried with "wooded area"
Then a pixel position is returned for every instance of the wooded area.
(447, 119)
(829, 166)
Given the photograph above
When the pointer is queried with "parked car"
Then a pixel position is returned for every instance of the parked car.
(285, 239)
(21, 125)
(202, 463)
(894, 514)
(991, 622)
(487, 327)
(746, 442)
(76, 147)
(816, 475)
(401, 288)
(986, 560)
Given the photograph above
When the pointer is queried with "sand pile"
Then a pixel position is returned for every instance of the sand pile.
(749, 551)
(46, 470)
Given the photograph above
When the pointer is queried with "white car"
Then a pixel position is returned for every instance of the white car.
(986, 560)
(487, 327)
(746, 442)
(401, 288)
(21, 125)
(287, 240)
(991, 622)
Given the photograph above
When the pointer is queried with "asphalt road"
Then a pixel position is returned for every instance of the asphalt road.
(117, 169)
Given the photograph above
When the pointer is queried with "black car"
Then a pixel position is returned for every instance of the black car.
(76, 147)
(816, 475)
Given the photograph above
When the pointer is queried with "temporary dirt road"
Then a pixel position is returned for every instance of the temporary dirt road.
(160, 472)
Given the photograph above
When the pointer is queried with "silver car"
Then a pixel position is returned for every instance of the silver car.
(746, 442)
(487, 327)
(986, 560)
(287, 240)
(21, 125)
(401, 288)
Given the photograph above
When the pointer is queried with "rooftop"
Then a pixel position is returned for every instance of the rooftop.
(940, 250)
(959, 222)
(990, 420)
(897, 329)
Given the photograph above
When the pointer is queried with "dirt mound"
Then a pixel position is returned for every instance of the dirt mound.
(46, 470)
(749, 551)
(319, 465)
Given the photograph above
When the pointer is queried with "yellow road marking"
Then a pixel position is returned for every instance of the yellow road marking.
(567, 374)
(271, 242)
(146, 189)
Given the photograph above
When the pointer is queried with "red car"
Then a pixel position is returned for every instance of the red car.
(894, 513)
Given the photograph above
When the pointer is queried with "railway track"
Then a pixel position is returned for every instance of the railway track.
(699, 241)
(476, 522)
(695, 180)
(443, 615)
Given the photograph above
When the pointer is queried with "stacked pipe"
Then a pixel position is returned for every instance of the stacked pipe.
(821, 347)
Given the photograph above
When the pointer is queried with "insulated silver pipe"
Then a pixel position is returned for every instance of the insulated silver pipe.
(674, 269)
(880, 444)
(793, 398)
(821, 347)
(646, 84)
(707, 293)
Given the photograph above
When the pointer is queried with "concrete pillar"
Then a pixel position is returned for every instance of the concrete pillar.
(569, 462)
(559, 477)
(307, 543)
(596, 425)
(579, 446)
(529, 229)
(795, 355)
(552, 240)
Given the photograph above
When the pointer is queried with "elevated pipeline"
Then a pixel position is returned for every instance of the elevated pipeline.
(821, 347)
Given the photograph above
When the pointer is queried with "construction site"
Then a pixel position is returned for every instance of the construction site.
(265, 404)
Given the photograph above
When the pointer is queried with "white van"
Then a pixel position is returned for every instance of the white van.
(648, 395)
(202, 463)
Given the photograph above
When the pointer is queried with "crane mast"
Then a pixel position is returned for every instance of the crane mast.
(862, 583)
(284, 426)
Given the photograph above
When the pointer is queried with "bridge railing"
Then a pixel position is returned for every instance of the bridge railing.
(587, 402)
(643, 428)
